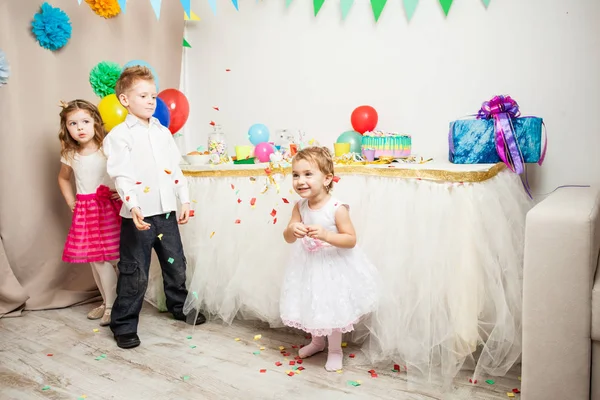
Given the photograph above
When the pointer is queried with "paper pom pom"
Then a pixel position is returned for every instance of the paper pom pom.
(103, 78)
(105, 8)
(4, 69)
(51, 27)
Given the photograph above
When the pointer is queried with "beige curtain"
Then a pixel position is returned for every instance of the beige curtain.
(34, 219)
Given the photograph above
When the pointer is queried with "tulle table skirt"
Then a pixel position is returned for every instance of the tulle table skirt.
(448, 245)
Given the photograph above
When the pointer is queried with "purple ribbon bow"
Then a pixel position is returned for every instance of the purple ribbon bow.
(502, 109)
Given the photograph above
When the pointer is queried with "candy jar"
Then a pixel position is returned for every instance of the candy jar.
(217, 143)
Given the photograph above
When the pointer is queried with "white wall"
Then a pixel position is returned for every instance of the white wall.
(292, 70)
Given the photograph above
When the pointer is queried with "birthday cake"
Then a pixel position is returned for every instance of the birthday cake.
(387, 144)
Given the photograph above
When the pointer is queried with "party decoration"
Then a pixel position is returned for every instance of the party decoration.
(446, 4)
(191, 17)
(4, 69)
(213, 6)
(186, 43)
(156, 7)
(105, 8)
(409, 7)
(317, 4)
(486, 3)
(103, 78)
(377, 6)
(111, 111)
(352, 137)
(235, 4)
(51, 27)
(162, 112)
(263, 151)
(346, 5)
(364, 119)
(258, 133)
(142, 63)
(186, 6)
(288, 2)
(122, 4)
(179, 108)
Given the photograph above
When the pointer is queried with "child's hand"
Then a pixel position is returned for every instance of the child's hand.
(72, 206)
(317, 232)
(298, 229)
(114, 195)
(138, 219)
(185, 214)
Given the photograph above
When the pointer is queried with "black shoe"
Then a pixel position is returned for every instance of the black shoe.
(192, 318)
(128, 340)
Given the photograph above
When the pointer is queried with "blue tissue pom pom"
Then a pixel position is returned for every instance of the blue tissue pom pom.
(51, 27)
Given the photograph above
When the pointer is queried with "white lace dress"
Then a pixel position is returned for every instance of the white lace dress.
(326, 288)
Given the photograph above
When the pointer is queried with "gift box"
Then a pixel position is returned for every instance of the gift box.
(497, 134)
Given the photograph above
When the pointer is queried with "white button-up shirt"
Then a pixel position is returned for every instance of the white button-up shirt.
(144, 163)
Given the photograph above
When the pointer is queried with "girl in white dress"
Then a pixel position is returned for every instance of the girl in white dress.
(329, 283)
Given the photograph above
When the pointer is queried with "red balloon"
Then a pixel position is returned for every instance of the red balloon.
(178, 106)
(364, 119)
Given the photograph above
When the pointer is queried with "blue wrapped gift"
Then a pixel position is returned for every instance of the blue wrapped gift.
(473, 141)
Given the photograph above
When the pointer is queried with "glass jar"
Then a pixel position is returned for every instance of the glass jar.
(217, 143)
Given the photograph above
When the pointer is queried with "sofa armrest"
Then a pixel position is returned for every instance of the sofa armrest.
(561, 250)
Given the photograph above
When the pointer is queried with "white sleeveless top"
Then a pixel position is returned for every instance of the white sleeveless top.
(324, 216)
(90, 171)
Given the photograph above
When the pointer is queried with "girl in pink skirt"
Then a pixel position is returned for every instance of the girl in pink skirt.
(95, 228)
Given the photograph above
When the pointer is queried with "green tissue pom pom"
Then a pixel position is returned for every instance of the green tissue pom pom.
(103, 78)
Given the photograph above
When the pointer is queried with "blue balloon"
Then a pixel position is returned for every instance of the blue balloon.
(142, 63)
(162, 112)
(258, 133)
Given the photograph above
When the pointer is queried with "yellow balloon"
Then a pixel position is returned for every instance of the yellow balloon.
(111, 111)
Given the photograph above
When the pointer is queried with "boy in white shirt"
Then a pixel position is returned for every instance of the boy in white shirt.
(143, 159)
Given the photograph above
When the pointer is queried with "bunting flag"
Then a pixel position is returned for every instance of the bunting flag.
(186, 44)
(156, 6)
(446, 4)
(122, 4)
(317, 5)
(287, 2)
(346, 5)
(185, 4)
(486, 3)
(377, 6)
(193, 17)
(409, 7)
(235, 4)
(213, 6)
(79, 1)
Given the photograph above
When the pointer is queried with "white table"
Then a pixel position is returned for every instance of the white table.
(447, 240)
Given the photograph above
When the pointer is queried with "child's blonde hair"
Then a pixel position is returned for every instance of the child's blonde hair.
(130, 76)
(69, 145)
(319, 156)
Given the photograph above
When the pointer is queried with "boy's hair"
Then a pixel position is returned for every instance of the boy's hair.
(69, 145)
(130, 76)
(319, 156)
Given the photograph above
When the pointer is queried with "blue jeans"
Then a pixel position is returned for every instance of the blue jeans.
(135, 251)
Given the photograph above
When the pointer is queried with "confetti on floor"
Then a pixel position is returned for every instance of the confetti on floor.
(185, 378)
(212, 234)
(46, 387)
(49, 355)
(294, 346)
(490, 382)
(510, 394)
(256, 353)
(292, 362)
(299, 361)
(515, 390)
(237, 339)
(278, 363)
(96, 330)
(261, 348)
(351, 355)
(353, 383)
(167, 216)
(82, 397)
(257, 337)
(160, 236)
(281, 348)
(290, 373)
(344, 344)
(100, 357)
(195, 295)
(189, 337)
(263, 371)
(170, 260)
(474, 382)
(193, 346)
(339, 371)
(301, 368)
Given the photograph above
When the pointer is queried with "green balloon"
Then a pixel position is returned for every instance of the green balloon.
(352, 137)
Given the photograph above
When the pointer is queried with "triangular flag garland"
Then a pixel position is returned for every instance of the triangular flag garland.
(187, 8)
(409, 7)
(486, 3)
(193, 17)
(213, 6)
(156, 6)
(287, 2)
(79, 1)
(122, 4)
(186, 44)
(446, 4)
(317, 5)
(235, 4)
(377, 6)
(346, 5)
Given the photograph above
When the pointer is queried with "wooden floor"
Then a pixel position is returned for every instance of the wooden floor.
(56, 354)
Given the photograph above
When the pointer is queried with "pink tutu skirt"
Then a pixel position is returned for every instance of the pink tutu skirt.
(95, 229)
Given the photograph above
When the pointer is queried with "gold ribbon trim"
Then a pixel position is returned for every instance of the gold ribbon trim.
(425, 174)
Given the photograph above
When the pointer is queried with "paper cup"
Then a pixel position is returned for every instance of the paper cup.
(243, 152)
(340, 149)
(369, 154)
